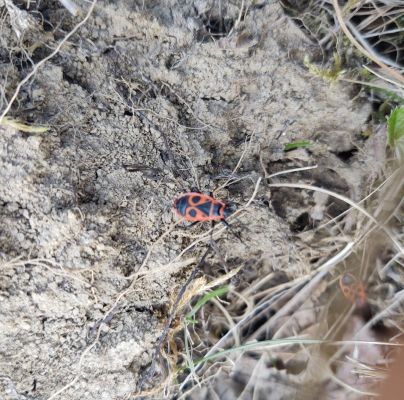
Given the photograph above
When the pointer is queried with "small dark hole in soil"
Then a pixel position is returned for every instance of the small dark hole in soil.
(301, 222)
(170, 62)
(218, 26)
(142, 309)
(68, 78)
(128, 113)
(346, 155)
(47, 26)
(380, 328)
(108, 50)
(266, 203)
(85, 198)
(214, 27)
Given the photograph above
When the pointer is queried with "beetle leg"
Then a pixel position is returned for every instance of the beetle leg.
(225, 223)
(211, 231)
(228, 226)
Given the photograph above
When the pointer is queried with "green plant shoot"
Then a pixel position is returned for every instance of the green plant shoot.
(190, 317)
(297, 145)
(395, 132)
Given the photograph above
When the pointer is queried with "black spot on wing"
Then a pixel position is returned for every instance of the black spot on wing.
(192, 213)
(205, 208)
(195, 199)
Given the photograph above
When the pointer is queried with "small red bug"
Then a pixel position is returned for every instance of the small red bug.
(198, 207)
(353, 289)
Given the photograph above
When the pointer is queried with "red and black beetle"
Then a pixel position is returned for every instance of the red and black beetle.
(198, 207)
(353, 289)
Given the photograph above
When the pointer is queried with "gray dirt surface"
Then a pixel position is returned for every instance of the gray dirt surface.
(144, 103)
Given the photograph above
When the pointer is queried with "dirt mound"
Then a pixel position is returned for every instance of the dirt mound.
(146, 101)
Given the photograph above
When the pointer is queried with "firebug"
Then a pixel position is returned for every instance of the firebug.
(353, 289)
(198, 207)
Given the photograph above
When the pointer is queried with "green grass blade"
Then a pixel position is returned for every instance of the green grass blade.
(297, 145)
(203, 300)
(395, 131)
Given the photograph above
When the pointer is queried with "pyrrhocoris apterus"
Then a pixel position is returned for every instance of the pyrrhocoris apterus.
(198, 207)
(353, 289)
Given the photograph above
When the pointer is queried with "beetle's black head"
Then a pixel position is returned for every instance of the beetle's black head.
(229, 209)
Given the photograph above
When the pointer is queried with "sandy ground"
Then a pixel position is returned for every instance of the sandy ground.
(144, 103)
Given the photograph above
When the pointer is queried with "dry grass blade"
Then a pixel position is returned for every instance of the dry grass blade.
(399, 79)
(23, 127)
(71, 6)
